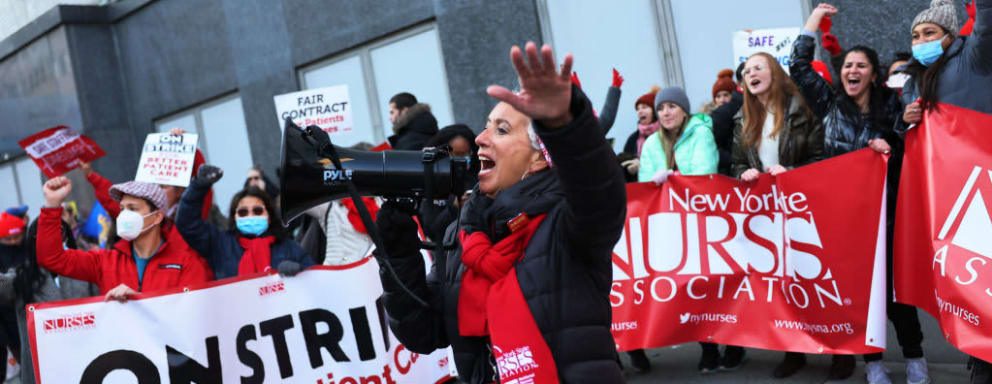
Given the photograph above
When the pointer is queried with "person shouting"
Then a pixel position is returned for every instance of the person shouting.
(531, 275)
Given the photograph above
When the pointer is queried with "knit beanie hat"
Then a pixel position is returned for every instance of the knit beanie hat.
(647, 98)
(942, 13)
(724, 82)
(674, 95)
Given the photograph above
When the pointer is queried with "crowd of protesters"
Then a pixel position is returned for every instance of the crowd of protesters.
(549, 185)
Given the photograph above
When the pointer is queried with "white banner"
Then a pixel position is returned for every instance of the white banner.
(167, 159)
(326, 325)
(776, 42)
(328, 108)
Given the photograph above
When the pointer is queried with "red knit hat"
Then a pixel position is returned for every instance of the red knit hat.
(647, 98)
(821, 68)
(724, 82)
(10, 225)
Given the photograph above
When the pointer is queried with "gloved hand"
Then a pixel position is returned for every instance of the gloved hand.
(617, 79)
(289, 268)
(661, 176)
(398, 230)
(208, 175)
(474, 218)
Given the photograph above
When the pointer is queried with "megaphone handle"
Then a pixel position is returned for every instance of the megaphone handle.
(373, 230)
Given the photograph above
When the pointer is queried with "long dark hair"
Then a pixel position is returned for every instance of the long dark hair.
(29, 277)
(879, 94)
(275, 223)
(926, 77)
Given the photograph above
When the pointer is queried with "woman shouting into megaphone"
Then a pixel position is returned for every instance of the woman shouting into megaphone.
(526, 293)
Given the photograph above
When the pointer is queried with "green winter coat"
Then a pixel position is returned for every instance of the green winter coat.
(695, 152)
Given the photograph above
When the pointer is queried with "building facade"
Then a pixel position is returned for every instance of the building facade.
(117, 72)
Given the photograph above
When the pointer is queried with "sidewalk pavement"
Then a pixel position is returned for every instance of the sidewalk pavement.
(677, 364)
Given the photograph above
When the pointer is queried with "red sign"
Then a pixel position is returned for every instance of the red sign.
(943, 236)
(794, 262)
(59, 150)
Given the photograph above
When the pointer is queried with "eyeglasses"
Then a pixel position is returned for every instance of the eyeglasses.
(257, 210)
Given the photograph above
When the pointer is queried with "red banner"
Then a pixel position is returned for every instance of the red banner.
(59, 150)
(943, 235)
(794, 262)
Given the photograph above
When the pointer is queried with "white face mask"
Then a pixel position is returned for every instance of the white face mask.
(129, 224)
(897, 81)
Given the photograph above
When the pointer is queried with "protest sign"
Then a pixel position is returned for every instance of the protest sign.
(328, 108)
(59, 150)
(325, 325)
(776, 42)
(943, 236)
(794, 262)
(167, 159)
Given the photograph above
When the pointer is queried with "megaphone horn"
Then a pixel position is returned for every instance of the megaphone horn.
(310, 176)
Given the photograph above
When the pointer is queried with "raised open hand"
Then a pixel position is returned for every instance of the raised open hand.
(545, 92)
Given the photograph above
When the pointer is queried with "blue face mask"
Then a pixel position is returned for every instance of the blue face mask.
(928, 53)
(252, 225)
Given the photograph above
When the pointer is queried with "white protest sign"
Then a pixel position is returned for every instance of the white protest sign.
(325, 325)
(328, 108)
(167, 159)
(776, 42)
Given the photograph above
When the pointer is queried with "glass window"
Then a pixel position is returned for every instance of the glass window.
(347, 72)
(409, 62)
(226, 135)
(223, 140)
(29, 183)
(8, 188)
(624, 37)
(705, 37)
(412, 65)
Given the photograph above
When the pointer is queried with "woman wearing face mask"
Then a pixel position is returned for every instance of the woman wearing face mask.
(144, 260)
(859, 114)
(256, 241)
(775, 130)
(684, 143)
(947, 68)
(951, 69)
(535, 244)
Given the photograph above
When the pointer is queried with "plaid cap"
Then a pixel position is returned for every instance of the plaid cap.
(141, 189)
(10, 225)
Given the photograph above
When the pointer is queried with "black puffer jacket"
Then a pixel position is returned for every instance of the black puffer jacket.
(842, 133)
(414, 128)
(565, 273)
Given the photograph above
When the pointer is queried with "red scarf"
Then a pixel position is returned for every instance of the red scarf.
(490, 303)
(257, 256)
(354, 218)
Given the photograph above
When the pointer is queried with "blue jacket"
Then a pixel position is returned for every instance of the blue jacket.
(221, 249)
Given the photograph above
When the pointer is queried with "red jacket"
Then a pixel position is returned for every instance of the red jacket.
(175, 265)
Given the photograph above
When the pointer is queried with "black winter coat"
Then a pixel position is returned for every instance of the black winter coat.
(842, 133)
(565, 273)
(414, 128)
(723, 130)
